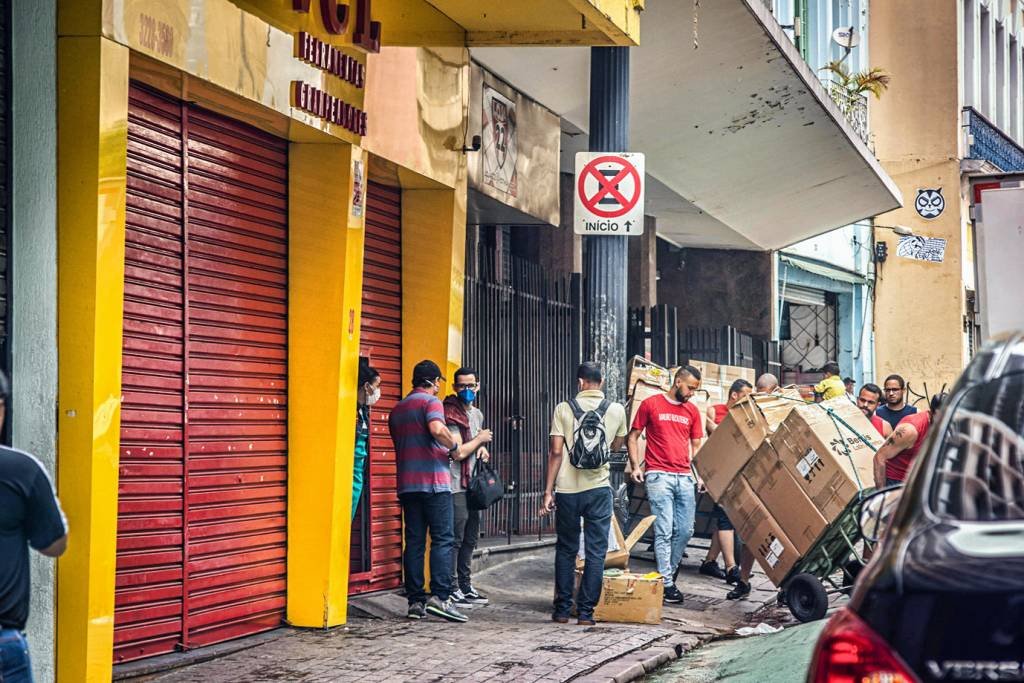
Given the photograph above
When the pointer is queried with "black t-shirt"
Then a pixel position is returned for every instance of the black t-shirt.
(893, 417)
(29, 515)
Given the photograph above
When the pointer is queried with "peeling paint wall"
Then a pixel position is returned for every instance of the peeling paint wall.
(34, 292)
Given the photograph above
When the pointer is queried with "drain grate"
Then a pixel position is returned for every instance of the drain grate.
(699, 603)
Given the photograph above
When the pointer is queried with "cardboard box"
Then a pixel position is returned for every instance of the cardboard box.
(630, 599)
(761, 532)
(776, 407)
(813, 446)
(707, 370)
(729, 448)
(619, 557)
(712, 392)
(639, 369)
(778, 491)
(643, 390)
(728, 374)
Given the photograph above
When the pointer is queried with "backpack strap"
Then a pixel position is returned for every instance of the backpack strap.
(602, 408)
(577, 411)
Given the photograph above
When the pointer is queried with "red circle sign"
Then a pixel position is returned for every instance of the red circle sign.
(608, 186)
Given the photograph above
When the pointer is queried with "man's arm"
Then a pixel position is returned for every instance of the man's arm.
(886, 429)
(555, 446)
(633, 449)
(470, 447)
(902, 437)
(709, 423)
(46, 527)
(57, 548)
(440, 432)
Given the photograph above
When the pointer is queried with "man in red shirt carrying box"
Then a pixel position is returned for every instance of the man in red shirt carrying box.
(674, 429)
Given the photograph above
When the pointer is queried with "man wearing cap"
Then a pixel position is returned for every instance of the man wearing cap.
(423, 448)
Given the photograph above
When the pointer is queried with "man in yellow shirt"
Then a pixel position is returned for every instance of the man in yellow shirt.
(832, 385)
(576, 494)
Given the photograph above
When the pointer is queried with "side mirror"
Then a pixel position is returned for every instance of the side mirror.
(876, 511)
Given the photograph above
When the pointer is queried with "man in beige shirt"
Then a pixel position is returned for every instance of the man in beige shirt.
(581, 495)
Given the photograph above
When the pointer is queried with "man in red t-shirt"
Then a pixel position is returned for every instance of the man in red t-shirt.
(674, 429)
(867, 400)
(894, 458)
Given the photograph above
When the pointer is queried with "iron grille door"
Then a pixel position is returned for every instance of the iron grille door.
(522, 334)
(148, 613)
(201, 509)
(381, 342)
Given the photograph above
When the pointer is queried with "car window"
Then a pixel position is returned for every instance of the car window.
(980, 475)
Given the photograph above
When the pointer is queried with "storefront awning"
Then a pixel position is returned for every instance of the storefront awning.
(823, 269)
(744, 147)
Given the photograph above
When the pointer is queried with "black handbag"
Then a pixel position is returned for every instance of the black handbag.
(485, 486)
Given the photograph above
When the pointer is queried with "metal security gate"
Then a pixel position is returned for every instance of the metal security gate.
(5, 199)
(522, 334)
(809, 336)
(376, 561)
(201, 507)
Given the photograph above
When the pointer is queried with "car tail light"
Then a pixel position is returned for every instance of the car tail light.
(848, 651)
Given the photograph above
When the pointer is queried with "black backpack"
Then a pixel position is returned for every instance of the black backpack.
(590, 443)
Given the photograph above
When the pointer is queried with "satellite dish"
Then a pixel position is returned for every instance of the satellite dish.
(846, 37)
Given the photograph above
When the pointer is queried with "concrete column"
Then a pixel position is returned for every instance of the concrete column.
(604, 257)
(32, 412)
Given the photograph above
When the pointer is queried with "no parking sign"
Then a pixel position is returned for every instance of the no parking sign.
(609, 191)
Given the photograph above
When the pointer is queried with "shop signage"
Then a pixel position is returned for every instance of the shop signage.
(609, 194)
(333, 61)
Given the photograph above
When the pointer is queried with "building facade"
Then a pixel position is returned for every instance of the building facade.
(232, 204)
(933, 138)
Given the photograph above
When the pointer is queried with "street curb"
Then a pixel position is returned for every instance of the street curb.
(637, 664)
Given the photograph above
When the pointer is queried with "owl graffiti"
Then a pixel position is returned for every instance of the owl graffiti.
(930, 203)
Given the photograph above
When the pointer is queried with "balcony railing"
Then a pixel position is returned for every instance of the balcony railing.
(855, 108)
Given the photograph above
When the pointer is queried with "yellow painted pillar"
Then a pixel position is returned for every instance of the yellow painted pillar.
(91, 185)
(433, 278)
(325, 262)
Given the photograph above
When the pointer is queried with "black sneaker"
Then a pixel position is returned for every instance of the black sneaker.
(474, 597)
(416, 611)
(445, 610)
(711, 568)
(741, 590)
(732, 576)
(460, 599)
(672, 595)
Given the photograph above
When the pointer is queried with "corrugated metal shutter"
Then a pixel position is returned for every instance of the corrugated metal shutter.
(381, 342)
(201, 514)
(5, 195)
(237, 379)
(150, 523)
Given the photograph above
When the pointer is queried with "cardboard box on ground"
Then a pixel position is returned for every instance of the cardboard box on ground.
(631, 599)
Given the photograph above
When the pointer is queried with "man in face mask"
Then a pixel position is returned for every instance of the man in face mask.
(674, 429)
(465, 422)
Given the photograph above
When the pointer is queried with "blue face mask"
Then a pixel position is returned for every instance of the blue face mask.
(467, 395)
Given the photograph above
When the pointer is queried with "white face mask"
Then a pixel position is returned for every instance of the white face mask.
(372, 396)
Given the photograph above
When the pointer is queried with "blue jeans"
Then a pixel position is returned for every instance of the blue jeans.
(15, 666)
(425, 511)
(673, 501)
(594, 507)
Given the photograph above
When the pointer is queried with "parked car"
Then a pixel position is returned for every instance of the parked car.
(943, 597)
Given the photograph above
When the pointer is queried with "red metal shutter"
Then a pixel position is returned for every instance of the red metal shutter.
(148, 598)
(236, 438)
(201, 510)
(381, 341)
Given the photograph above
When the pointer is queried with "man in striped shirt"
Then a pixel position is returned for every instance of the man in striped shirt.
(423, 449)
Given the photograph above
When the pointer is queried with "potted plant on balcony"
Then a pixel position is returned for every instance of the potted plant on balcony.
(849, 90)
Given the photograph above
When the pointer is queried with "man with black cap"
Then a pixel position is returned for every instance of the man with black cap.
(29, 516)
(423, 448)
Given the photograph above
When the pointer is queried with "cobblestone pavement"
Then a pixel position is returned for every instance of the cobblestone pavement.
(512, 639)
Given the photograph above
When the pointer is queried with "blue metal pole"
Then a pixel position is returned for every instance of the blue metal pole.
(604, 257)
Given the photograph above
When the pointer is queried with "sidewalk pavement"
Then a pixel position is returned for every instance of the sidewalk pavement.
(512, 639)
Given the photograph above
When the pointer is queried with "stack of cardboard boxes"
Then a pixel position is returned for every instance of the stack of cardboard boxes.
(784, 470)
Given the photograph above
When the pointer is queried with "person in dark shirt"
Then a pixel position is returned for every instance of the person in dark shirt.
(895, 408)
(30, 515)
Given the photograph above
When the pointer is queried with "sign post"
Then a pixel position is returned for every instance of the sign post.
(609, 189)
